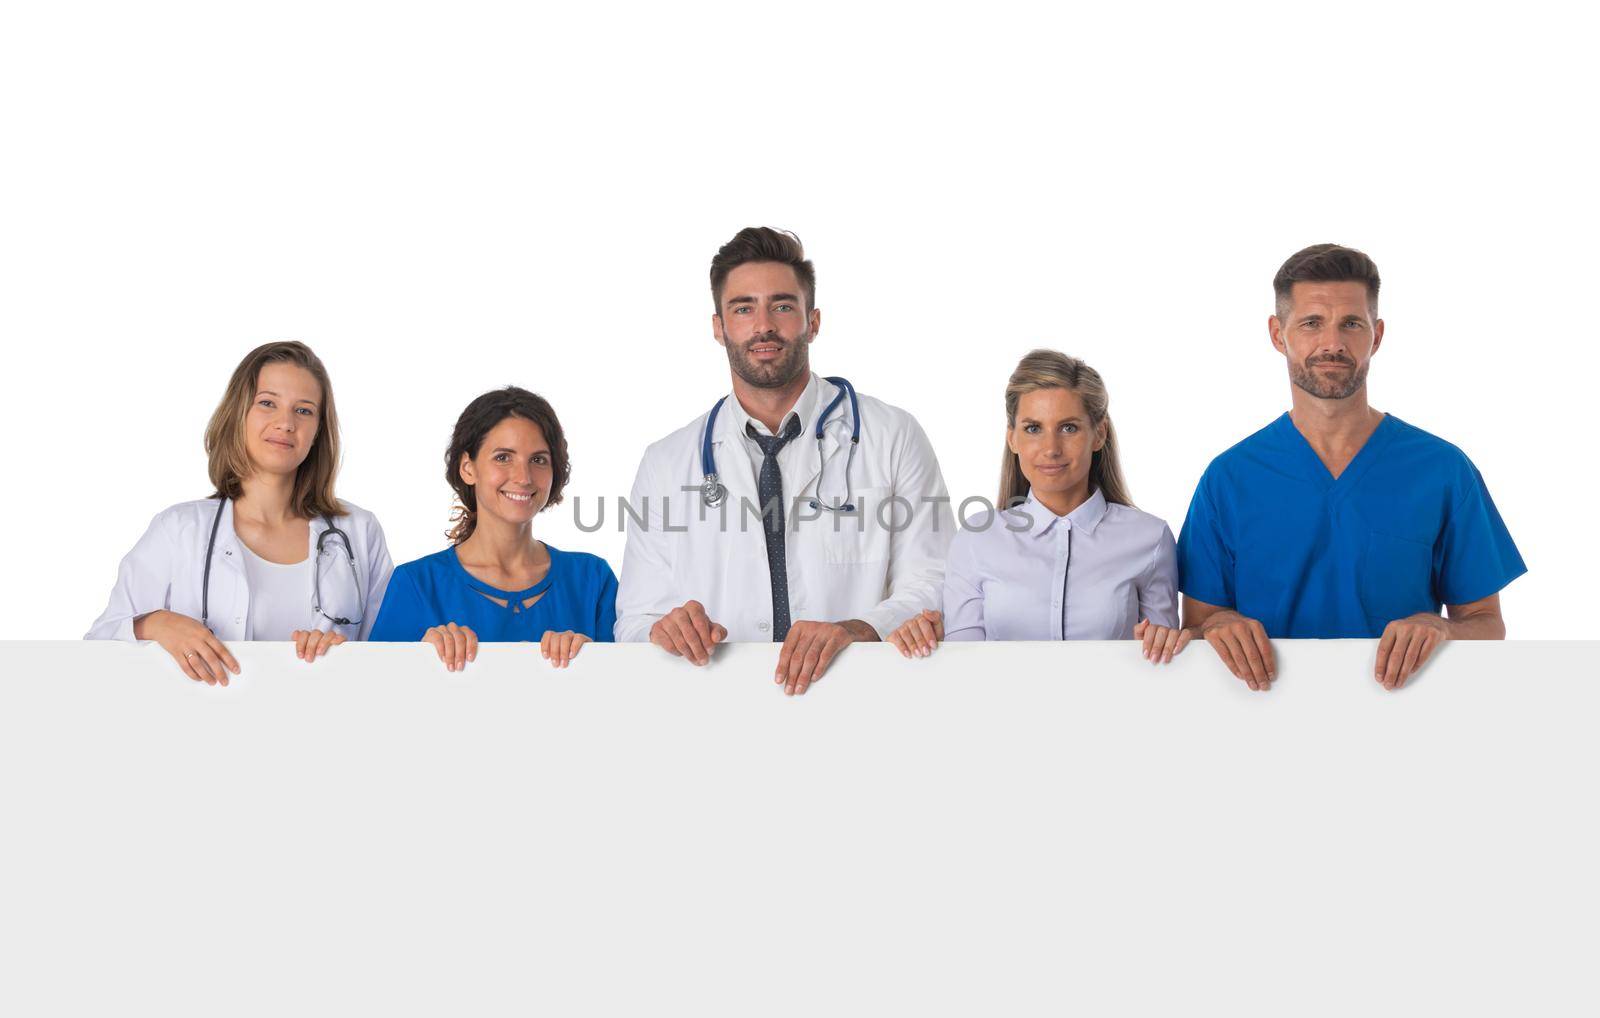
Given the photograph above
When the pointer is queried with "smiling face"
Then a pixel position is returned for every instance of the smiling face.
(1055, 444)
(1328, 333)
(764, 325)
(282, 422)
(511, 473)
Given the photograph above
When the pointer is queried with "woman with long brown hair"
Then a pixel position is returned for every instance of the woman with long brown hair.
(271, 554)
(1066, 556)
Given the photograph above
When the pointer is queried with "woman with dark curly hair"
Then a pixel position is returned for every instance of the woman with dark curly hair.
(507, 462)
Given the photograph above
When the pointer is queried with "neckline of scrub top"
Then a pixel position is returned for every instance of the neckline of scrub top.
(1358, 465)
(513, 598)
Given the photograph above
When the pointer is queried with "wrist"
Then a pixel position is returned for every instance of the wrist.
(859, 632)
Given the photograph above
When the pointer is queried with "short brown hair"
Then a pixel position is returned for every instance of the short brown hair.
(473, 427)
(1326, 263)
(763, 244)
(229, 460)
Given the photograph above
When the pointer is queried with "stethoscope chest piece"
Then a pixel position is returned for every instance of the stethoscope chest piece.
(712, 492)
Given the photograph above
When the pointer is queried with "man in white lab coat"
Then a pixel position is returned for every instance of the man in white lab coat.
(751, 523)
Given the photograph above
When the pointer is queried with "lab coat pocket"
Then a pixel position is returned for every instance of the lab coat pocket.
(1396, 578)
(864, 535)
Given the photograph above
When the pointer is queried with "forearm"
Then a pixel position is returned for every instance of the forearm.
(1483, 626)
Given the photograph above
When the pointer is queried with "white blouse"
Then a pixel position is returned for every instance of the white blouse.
(1028, 574)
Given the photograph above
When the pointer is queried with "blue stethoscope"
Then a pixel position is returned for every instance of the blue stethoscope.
(316, 572)
(711, 490)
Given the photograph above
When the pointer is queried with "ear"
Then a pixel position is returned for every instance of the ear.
(717, 332)
(1275, 330)
(1011, 441)
(1099, 436)
(465, 469)
(814, 323)
(1377, 335)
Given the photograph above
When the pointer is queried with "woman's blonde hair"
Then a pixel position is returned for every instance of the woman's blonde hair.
(230, 460)
(1048, 369)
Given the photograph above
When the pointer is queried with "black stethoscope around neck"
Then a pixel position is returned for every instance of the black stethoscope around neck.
(316, 570)
(712, 491)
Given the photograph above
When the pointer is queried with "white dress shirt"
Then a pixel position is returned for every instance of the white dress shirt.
(881, 564)
(1028, 574)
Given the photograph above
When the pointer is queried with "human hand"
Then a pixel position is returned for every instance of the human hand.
(1161, 644)
(310, 644)
(1406, 645)
(919, 635)
(1243, 646)
(688, 632)
(456, 645)
(807, 650)
(560, 648)
(196, 649)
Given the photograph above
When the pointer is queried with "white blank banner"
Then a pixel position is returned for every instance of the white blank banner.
(1009, 829)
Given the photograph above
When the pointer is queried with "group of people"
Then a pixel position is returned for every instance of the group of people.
(1335, 520)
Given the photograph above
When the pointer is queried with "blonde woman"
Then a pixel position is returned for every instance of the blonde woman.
(1067, 556)
(272, 554)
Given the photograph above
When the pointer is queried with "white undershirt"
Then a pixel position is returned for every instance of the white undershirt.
(280, 596)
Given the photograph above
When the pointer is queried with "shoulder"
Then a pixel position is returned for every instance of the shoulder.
(985, 530)
(197, 514)
(581, 563)
(357, 518)
(1410, 440)
(667, 453)
(875, 413)
(1136, 522)
(427, 565)
(688, 435)
(1265, 443)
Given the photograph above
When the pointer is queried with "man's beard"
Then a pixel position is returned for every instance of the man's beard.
(1328, 387)
(773, 374)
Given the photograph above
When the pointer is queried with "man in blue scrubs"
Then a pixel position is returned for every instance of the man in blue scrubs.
(1337, 520)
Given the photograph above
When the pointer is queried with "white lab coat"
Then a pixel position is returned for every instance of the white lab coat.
(164, 571)
(678, 550)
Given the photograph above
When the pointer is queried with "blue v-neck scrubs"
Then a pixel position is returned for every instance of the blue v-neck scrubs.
(1406, 528)
(579, 594)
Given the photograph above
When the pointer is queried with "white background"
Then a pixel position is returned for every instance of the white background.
(444, 200)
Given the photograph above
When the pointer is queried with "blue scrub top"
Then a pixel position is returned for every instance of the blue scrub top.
(580, 594)
(1408, 527)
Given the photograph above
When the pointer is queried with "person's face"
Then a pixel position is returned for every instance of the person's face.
(281, 425)
(1054, 441)
(512, 471)
(764, 325)
(1328, 337)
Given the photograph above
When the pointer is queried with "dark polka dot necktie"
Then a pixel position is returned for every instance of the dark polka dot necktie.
(769, 489)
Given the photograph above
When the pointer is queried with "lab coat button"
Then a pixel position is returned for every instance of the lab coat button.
(763, 626)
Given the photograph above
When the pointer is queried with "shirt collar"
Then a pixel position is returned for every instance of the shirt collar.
(805, 408)
(1085, 518)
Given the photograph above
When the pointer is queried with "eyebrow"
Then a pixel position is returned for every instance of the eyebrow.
(536, 452)
(789, 297)
(1064, 420)
(269, 392)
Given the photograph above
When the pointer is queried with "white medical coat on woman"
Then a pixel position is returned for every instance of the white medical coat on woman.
(164, 571)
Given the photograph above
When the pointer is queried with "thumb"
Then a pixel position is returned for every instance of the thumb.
(1139, 630)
